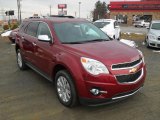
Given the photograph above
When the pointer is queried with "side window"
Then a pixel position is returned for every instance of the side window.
(32, 29)
(22, 26)
(43, 29)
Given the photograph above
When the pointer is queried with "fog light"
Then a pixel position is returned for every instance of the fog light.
(95, 91)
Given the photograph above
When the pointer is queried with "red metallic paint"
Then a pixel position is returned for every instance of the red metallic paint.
(47, 55)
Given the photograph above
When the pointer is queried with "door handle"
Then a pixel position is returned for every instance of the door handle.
(34, 44)
(22, 37)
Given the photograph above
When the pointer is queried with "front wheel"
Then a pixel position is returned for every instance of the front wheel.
(65, 89)
(147, 43)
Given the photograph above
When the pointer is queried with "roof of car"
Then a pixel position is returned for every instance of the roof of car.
(57, 19)
(155, 21)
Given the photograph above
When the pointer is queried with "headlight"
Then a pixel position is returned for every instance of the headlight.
(140, 52)
(152, 37)
(94, 67)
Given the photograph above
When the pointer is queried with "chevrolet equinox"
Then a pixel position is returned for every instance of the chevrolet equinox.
(83, 62)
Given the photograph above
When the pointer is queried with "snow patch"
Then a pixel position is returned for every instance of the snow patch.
(129, 43)
(139, 33)
(6, 34)
(156, 51)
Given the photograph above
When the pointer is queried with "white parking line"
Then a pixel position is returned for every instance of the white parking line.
(156, 51)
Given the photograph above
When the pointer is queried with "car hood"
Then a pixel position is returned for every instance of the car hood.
(155, 32)
(108, 52)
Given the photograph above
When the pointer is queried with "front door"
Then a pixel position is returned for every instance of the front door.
(44, 51)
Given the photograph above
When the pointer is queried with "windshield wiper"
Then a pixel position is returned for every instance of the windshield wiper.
(97, 40)
(72, 42)
(81, 42)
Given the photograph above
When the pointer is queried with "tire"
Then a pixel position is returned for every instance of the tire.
(65, 89)
(114, 37)
(147, 44)
(20, 62)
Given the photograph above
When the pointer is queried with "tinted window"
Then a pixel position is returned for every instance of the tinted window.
(74, 32)
(101, 24)
(22, 26)
(43, 29)
(32, 29)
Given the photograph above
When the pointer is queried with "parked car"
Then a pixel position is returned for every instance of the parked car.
(153, 36)
(12, 35)
(110, 27)
(141, 23)
(82, 61)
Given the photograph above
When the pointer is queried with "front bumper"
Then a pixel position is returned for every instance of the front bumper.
(112, 90)
(116, 98)
(154, 43)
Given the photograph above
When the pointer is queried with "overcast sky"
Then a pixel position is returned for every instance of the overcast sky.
(41, 7)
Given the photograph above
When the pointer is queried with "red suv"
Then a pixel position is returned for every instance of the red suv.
(83, 62)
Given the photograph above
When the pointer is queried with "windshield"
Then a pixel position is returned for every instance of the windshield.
(156, 26)
(101, 24)
(79, 32)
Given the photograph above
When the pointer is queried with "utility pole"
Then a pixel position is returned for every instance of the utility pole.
(50, 7)
(79, 9)
(19, 10)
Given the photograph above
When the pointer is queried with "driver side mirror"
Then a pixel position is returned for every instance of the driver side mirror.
(44, 38)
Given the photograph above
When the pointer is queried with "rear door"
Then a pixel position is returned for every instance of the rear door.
(29, 41)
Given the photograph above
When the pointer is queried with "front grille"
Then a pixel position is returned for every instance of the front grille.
(152, 44)
(126, 65)
(129, 78)
(158, 45)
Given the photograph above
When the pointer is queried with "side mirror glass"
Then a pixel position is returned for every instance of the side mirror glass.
(44, 38)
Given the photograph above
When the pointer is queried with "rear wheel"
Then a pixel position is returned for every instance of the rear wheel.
(20, 61)
(65, 89)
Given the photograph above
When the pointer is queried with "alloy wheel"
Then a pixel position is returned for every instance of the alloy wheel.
(63, 89)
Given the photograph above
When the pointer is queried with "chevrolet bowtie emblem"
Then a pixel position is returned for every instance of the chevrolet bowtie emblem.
(133, 70)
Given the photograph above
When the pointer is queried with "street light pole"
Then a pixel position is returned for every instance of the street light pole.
(79, 9)
(19, 10)
(50, 7)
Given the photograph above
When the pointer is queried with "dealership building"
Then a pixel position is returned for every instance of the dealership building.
(128, 12)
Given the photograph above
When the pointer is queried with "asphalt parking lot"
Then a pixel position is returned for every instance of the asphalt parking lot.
(25, 95)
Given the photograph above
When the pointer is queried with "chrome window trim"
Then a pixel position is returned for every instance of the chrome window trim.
(37, 29)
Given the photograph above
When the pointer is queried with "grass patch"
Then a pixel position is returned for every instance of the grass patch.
(133, 36)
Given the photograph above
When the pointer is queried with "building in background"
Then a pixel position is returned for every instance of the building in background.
(128, 12)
